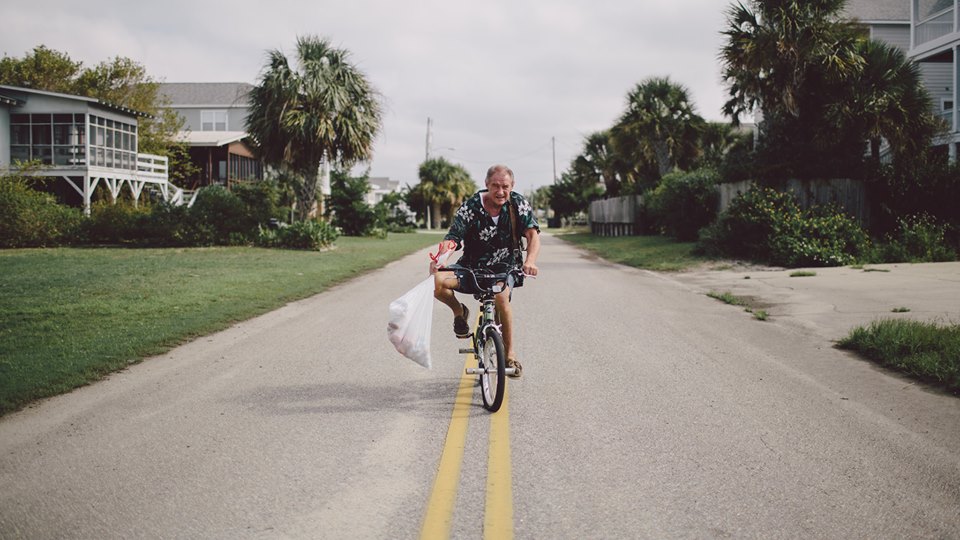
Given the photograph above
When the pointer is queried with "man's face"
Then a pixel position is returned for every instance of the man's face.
(499, 186)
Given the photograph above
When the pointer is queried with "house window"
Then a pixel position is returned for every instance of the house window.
(52, 139)
(947, 105)
(213, 120)
(112, 143)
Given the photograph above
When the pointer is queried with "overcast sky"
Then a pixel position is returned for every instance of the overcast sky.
(498, 78)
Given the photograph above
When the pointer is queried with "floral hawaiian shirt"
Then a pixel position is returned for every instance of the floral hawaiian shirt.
(487, 243)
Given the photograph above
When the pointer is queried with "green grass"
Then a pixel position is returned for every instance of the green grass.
(803, 273)
(875, 270)
(650, 252)
(727, 298)
(71, 316)
(760, 315)
(901, 310)
(927, 351)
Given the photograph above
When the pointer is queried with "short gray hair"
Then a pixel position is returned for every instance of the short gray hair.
(499, 169)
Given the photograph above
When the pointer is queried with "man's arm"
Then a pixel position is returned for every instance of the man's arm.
(533, 250)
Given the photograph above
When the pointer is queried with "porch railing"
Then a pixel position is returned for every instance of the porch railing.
(934, 27)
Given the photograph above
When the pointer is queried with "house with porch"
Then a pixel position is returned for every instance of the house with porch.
(935, 44)
(83, 142)
(215, 117)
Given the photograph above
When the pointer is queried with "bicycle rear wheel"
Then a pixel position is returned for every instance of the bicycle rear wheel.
(492, 361)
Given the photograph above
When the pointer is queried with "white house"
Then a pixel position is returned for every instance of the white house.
(85, 142)
(935, 44)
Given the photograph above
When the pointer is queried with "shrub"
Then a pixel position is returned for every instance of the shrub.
(684, 202)
(29, 218)
(219, 217)
(767, 225)
(918, 239)
(346, 206)
(116, 223)
(310, 234)
(261, 200)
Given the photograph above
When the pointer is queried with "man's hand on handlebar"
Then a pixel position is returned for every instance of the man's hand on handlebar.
(530, 269)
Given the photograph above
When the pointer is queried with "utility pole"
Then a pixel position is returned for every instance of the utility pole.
(553, 142)
(427, 153)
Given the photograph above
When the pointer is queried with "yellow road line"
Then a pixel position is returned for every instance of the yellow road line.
(439, 516)
(498, 514)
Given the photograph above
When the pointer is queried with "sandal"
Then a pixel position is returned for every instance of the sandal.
(460, 326)
(517, 368)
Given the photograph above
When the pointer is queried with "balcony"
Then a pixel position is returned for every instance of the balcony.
(934, 27)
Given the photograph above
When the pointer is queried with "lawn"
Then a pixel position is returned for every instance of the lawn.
(650, 252)
(69, 316)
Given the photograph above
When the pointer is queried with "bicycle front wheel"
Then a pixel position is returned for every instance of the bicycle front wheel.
(492, 361)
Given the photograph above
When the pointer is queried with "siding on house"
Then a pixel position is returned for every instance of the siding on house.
(897, 35)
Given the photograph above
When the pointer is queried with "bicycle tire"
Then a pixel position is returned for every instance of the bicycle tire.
(492, 385)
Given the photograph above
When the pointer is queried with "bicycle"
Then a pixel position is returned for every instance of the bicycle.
(487, 338)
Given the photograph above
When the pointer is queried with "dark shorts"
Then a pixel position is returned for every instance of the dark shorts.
(465, 283)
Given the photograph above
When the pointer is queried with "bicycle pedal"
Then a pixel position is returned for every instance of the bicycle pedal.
(466, 351)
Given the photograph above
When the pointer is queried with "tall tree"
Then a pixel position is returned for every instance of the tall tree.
(324, 108)
(791, 59)
(887, 101)
(659, 127)
(443, 186)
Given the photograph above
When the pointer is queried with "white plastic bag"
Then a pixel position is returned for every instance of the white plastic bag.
(411, 318)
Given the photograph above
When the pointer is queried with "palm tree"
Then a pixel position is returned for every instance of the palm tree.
(659, 127)
(888, 101)
(324, 109)
(444, 185)
(775, 48)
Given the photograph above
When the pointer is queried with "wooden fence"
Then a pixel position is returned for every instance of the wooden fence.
(619, 216)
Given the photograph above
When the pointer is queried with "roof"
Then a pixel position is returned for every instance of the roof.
(107, 104)
(206, 94)
(383, 183)
(211, 138)
(878, 10)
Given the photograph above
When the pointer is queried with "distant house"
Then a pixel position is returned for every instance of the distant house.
(215, 116)
(85, 142)
(935, 44)
(380, 186)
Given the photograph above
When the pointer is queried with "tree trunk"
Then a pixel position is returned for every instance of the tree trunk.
(664, 164)
(437, 216)
(307, 195)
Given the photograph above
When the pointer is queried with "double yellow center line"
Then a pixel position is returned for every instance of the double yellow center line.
(498, 514)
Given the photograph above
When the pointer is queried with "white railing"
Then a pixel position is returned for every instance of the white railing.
(934, 27)
(152, 164)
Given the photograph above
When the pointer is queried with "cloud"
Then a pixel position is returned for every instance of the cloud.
(500, 78)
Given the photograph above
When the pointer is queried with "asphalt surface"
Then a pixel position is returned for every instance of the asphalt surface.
(646, 410)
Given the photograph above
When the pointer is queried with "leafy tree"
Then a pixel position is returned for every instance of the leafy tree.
(572, 194)
(443, 186)
(887, 100)
(347, 207)
(787, 58)
(393, 213)
(42, 69)
(322, 109)
(659, 128)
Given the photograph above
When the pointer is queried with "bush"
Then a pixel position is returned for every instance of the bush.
(29, 218)
(310, 235)
(261, 200)
(346, 206)
(918, 239)
(219, 217)
(684, 203)
(767, 225)
(116, 223)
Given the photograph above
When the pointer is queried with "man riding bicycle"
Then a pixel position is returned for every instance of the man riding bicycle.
(485, 229)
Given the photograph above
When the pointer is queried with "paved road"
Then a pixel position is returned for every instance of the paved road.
(647, 410)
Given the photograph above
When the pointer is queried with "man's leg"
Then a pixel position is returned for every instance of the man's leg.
(506, 320)
(444, 284)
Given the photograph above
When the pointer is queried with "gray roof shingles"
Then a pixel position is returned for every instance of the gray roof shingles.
(878, 10)
(225, 94)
